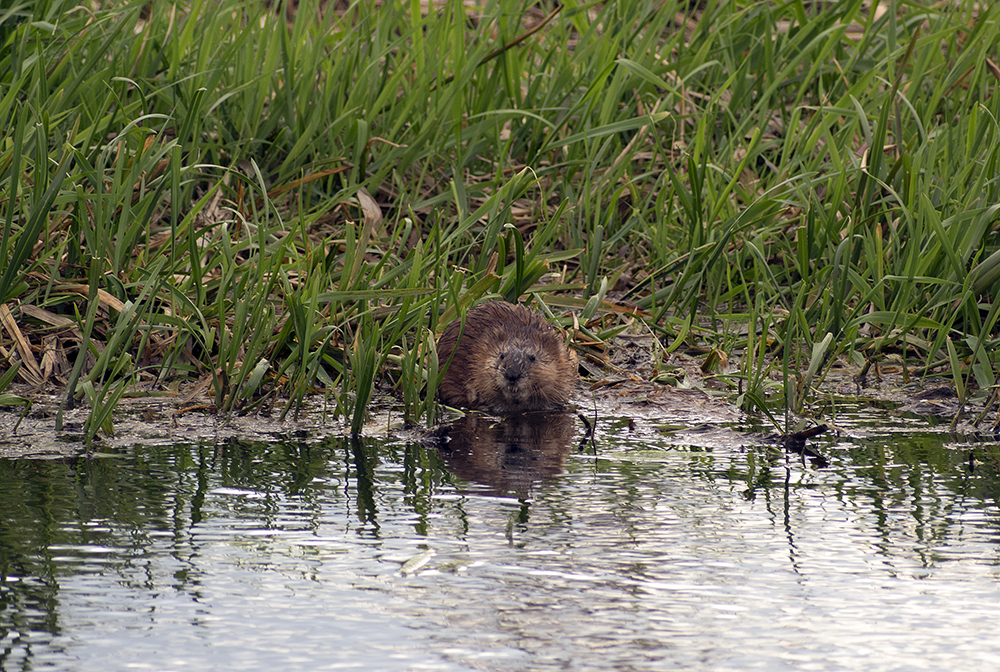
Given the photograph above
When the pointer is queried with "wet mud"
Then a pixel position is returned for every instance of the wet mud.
(617, 395)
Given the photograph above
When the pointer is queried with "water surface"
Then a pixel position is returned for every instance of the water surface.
(655, 550)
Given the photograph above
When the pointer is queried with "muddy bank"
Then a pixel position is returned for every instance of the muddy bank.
(159, 420)
(616, 397)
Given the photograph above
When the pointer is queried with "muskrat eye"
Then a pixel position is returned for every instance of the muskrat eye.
(531, 358)
(501, 356)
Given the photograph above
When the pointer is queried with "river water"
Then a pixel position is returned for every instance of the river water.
(509, 549)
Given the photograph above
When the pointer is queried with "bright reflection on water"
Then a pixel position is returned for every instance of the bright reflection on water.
(672, 551)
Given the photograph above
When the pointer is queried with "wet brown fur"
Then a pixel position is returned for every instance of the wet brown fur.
(509, 360)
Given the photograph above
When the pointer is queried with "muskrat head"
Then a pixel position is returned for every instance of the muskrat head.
(519, 372)
(514, 365)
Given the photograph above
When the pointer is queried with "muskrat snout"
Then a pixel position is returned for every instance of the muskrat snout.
(514, 365)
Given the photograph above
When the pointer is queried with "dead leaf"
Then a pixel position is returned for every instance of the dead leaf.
(108, 300)
(31, 373)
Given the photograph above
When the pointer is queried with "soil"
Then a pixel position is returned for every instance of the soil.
(613, 392)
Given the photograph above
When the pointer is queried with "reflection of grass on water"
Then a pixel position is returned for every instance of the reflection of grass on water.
(269, 202)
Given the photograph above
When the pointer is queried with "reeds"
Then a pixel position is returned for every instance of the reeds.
(276, 202)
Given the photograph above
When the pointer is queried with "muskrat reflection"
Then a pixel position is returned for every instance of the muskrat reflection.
(508, 454)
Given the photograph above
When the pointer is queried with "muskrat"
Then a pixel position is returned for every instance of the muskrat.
(509, 360)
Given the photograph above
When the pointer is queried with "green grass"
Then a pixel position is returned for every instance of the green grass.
(278, 203)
